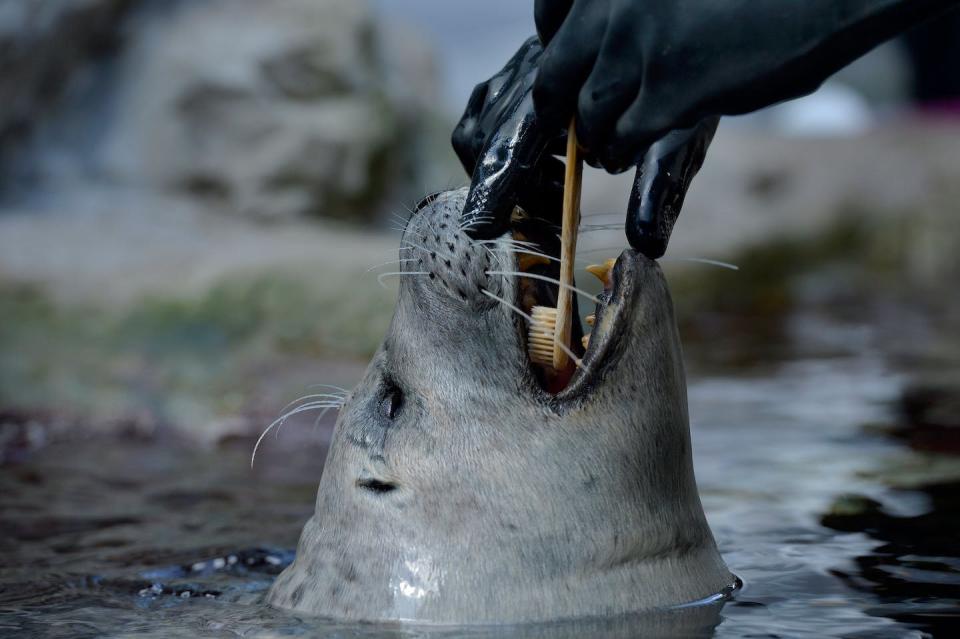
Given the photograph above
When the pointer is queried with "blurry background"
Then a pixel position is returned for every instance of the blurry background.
(195, 197)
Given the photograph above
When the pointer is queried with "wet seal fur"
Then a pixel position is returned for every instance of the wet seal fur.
(457, 491)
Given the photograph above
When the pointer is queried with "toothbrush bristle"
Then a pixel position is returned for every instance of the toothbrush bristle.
(540, 340)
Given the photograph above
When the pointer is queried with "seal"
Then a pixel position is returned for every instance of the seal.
(459, 489)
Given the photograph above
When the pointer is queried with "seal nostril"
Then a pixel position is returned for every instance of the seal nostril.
(376, 486)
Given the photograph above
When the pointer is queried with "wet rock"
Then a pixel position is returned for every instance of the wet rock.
(933, 403)
(929, 416)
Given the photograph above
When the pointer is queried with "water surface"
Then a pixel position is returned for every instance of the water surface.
(146, 537)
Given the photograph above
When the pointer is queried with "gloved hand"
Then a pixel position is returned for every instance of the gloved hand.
(501, 142)
(632, 71)
(501, 145)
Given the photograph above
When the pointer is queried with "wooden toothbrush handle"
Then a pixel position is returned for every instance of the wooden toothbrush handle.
(568, 248)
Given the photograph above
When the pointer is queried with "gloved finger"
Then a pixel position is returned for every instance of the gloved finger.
(512, 144)
(510, 158)
(661, 184)
(548, 16)
(467, 137)
(567, 61)
(637, 130)
(542, 196)
(611, 86)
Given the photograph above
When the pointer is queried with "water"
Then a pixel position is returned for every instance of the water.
(126, 537)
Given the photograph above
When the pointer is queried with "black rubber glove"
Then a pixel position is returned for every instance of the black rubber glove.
(633, 70)
(501, 145)
(501, 142)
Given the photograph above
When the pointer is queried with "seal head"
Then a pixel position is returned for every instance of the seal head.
(458, 489)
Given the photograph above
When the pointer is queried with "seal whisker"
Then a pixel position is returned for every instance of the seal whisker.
(400, 261)
(702, 260)
(316, 422)
(496, 255)
(282, 419)
(671, 258)
(590, 228)
(552, 280)
(398, 274)
(399, 217)
(523, 247)
(517, 249)
(508, 241)
(576, 360)
(325, 404)
(473, 221)
(477, 216)
(604, 249)
(325, 396)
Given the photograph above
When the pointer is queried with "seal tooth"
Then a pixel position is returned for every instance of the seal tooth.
(602, 271)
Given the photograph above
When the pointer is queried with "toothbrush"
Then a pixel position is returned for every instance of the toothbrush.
(549, 335)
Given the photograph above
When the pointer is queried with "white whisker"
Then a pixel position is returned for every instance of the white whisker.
(472, 224)
(282, 419)
(316, 422)
(467, 221)
(516, 247)
(400, 261)
(325, 396)
(526, 316)
(589, 228)
(548, 279)
(703, 260)
(604, 248)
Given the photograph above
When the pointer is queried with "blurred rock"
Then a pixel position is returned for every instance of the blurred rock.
(277, 108)
(929, 411)
(266, 108)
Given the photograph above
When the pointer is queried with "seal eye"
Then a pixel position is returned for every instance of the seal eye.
(392, 402)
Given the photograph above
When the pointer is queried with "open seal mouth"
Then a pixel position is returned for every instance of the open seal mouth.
(593, 347)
